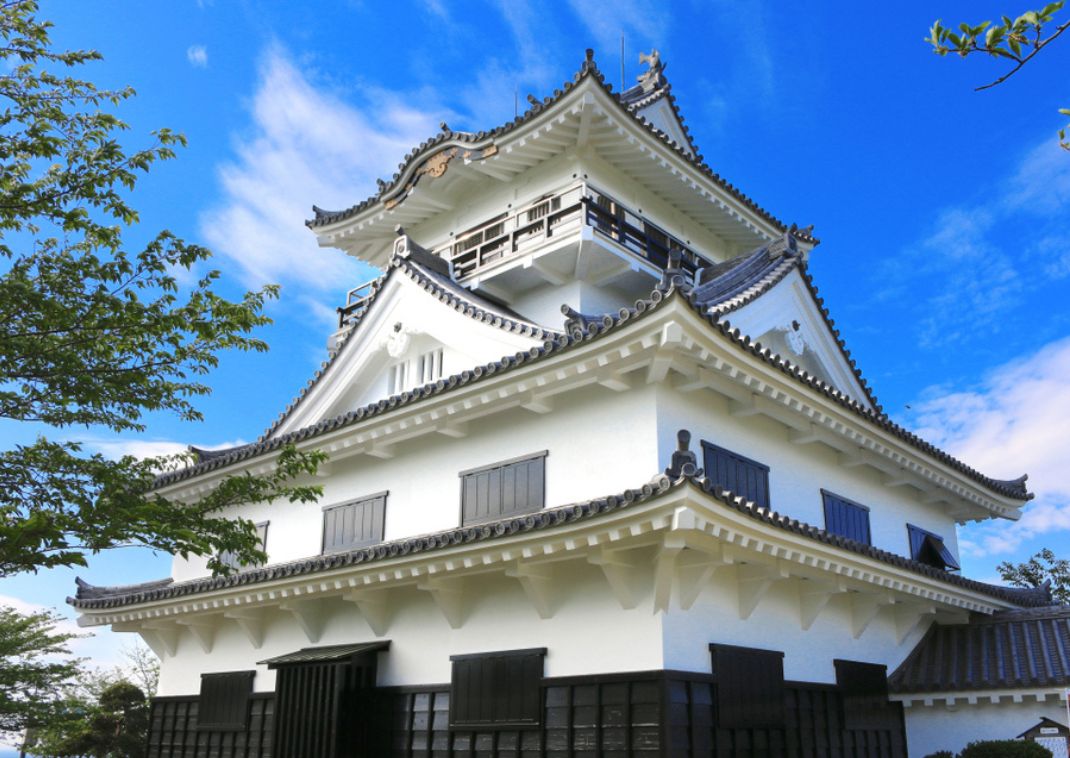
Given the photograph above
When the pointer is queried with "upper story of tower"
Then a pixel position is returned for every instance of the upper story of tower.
(580, 200)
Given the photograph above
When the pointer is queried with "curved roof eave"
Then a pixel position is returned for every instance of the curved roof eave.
(672, 287)
(465, 302)
(99, 598)
(393, 190)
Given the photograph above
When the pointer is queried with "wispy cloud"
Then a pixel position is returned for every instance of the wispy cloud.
(1013, 422)
(304, 146)
(970, 271)
(146, 448)
(197, 55)
(640, 21)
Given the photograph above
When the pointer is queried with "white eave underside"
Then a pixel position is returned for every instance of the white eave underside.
(672, 344)
(682, 519)
(585, 118)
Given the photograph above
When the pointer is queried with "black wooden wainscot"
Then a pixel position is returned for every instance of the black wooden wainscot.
(326, 705)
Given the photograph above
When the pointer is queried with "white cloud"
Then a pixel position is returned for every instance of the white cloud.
(197, 55)
(305, 146)
(145, 448)
(966, 261)
(103, 651)
(641, 21)
(1014, 422)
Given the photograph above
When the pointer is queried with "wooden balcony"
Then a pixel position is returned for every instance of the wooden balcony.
(357, 300)
(555, 216)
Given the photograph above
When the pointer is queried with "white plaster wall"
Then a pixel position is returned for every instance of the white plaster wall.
(798, 472)
(589, 633)
(774, 625)
(543, 304)
(600, 443)
(943, 727)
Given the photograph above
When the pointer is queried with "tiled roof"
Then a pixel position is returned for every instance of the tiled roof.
(589, 70)
(682, 473)
(728, 286)
(325, 653)
(587, 331)
(418, 267)
(1009, 650)
(731, 284)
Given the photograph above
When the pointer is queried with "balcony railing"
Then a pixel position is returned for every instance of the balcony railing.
(356, 303)
(631, 231)
(512, 234)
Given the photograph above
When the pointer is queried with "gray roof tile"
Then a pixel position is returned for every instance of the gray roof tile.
(1009, 650)
(682, 472)
(671, 287)
(589, 70)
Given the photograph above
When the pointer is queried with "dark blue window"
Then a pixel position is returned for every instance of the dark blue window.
(928, 547)
(738, 475)
(846, 518)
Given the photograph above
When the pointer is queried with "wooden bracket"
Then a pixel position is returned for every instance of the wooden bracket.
(537, 580)
(375, 607)
(448, 595)
(864, 608)
(203, 630)
(909, 616)
(251, 621)
(618, 571)
(814, 597)
(309, 615)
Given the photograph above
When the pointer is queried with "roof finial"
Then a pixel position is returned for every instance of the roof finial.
(684, 462)
(653, 77)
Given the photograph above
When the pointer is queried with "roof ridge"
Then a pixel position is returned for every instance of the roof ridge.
(670, 286)
(588, 70)
(424, 278)
(682, 471)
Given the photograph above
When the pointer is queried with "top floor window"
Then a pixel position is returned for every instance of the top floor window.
(396, 379)
(929, 548)
(504, 489)
(230, 560)
(846, 517)
(426, 368)
(355, 524)
(737, 474)
(429, 367)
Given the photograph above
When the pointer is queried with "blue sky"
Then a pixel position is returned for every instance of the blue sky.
(943, 212)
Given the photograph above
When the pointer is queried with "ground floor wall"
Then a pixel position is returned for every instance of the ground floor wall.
(951, 727)
(656, 713)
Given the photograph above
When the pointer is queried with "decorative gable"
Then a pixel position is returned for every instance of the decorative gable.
(419, 327)
(768, 296)
(787, 320)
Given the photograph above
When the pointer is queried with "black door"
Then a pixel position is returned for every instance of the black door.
(323, 708)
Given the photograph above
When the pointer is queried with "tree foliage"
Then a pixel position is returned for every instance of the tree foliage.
(1017, 41)
(97, 333)
(112, 724)
(1041, 569)
(35, 665)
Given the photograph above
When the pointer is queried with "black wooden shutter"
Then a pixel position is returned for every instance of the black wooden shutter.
(323, 709)
(503, 489)
(497, 690)
(354, 524)
(846, 517)
(750, 687)
(230, 559)
(929, 548)
(736, 473)
(224, 701)
(864, 692)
